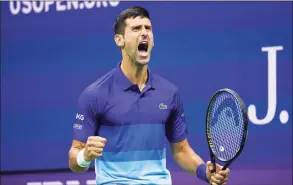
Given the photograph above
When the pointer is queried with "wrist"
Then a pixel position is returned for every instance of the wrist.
(201, 172)
(81, 161)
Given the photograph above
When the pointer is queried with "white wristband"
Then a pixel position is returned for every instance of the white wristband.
(80, 160)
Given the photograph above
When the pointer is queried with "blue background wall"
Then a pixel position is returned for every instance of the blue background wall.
(48, 58)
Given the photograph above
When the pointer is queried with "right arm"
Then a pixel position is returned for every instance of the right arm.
(84, 133)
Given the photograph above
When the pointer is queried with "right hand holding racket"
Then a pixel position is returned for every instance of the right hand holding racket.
(220, 177)
(94, 147)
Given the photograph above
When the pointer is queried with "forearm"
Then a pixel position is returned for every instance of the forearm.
(188, 160)
(73, 162)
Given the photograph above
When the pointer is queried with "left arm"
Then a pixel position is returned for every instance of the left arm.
(176, 132)
(185, 157)
(183, 154)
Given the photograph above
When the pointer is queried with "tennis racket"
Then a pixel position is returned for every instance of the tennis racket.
(226, 127)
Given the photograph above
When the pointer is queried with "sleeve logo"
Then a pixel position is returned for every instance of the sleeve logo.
(77, 126)
(79, 116)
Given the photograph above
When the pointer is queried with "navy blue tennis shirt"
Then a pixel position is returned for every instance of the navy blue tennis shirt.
(135, 124)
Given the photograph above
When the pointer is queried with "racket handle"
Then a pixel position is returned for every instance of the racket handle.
(213, 160)
(214, 168)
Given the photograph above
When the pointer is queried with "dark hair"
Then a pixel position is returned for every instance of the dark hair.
(132, 12)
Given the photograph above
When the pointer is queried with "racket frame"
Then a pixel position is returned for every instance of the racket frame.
(213, 154)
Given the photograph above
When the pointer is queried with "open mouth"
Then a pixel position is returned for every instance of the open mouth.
(143, 46)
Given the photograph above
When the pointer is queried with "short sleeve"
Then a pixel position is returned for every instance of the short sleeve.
(86, 123)
(176, 126)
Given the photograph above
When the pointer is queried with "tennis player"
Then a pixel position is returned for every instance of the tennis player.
(124, 117)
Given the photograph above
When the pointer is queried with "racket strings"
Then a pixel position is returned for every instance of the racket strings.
(227, 126)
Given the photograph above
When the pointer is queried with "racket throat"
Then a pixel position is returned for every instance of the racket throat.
(227, 165)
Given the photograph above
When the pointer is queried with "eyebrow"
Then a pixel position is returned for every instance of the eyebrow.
(140, 25)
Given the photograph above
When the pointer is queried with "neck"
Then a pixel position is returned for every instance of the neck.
(135, 72)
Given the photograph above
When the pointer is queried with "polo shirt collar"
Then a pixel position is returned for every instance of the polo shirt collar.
(125, 83)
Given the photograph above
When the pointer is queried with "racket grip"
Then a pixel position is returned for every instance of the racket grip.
(214, 168)
(213, 160)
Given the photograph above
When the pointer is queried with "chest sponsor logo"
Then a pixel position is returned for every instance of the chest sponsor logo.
(163, 106)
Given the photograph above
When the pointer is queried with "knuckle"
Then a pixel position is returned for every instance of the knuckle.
(100, 150)
(89, 143)
(219, 176)
(92, 153)
(93, 138)
(96, 144)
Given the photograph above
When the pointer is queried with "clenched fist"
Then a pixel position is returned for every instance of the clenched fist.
(94, 147)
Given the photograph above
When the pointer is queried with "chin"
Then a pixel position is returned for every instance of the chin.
(143, 61)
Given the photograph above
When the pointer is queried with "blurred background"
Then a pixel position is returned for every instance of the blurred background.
(51, 51)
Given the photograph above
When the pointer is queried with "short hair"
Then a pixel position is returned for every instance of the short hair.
(132, 12)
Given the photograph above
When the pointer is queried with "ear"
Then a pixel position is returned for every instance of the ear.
(119, 40)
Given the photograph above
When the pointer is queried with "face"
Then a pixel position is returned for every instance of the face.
(138, 40)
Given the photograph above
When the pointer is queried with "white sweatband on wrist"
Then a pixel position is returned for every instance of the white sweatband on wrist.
(80, 160)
